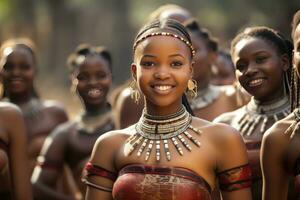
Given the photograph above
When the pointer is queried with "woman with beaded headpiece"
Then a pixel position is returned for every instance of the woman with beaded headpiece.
(18, 63)
(127, 110)
(71, 143)
(211, 100)
(262, 60)
(280, 146)
(168, 154)
(14, 171)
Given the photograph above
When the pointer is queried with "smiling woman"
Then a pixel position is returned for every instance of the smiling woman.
(262, 60)
(90, 72)
(168, 154)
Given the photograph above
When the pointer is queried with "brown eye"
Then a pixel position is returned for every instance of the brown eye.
(147, 64)
(241, 66)
(260, 59)
(176, 64)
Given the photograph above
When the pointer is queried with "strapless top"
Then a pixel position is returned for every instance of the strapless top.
(142, 182)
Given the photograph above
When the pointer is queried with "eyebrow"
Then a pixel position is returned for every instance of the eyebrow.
(174, 55)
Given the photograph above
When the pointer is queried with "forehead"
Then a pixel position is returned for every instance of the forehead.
(95, 63)
(13, 53)
(251, 45)
(162, 45)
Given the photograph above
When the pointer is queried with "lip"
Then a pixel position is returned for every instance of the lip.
(94, 93)
(162, 89)
(255, 82)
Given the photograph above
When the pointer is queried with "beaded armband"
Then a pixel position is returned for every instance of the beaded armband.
(48, 164)
(236, 178)
(94, 170)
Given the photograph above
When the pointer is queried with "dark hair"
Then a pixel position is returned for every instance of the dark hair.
(86, 50)
(164, 25)
(211, 42)
(23, 43)
(174, 9)
(282, 45)
(170, 26)
(295, 86)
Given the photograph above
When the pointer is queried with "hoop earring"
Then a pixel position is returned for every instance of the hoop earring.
(135, 94)
(192, 88)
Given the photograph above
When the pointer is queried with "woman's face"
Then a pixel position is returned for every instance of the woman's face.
(203, 60)
(93, 80)
(296, 58)
(162, 68)
(18, 71)
(259, 68)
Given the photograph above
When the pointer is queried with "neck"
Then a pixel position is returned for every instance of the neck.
(163, 110)
(270, 99)
(91, 111)
(20, 99)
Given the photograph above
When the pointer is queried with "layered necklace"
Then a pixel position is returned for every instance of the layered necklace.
(256, 113)
(205, 97)
(152, 131)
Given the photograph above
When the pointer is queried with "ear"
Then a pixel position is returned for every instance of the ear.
(285, 62)
(133, 71)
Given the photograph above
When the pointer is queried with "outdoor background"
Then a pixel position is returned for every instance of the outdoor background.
(58, 26)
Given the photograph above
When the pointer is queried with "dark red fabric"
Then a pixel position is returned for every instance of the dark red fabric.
(141, 182)
(94, 170)
(235, 178)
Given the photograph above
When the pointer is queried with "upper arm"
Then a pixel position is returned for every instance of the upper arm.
(103, 156)
(51, 158)
(57, 110)
(18, 157)
(275, 178)
(232, 166)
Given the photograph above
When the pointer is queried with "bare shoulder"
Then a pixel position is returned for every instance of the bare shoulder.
(276, 133)
(219, 132)
(10, 112)
(54, 106)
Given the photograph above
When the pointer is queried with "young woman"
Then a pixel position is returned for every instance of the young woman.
(168, 153)
(14, 172)
(126, 110)
(262, 60)
(18, 73)
(280, 146)
(72, 143)
(211, 100)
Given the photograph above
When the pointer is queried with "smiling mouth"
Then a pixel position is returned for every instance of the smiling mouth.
(255, 82)
(162, 89)
(94, 93)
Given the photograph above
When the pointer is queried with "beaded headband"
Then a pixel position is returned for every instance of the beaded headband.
(165, 34)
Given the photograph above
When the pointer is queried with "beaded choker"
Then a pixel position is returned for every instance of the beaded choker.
(205, 97)
(153, 130)
(256, 114)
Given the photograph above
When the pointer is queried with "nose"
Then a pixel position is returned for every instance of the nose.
(15, 71)
(93, 81)
(251, 70)
(162, 73)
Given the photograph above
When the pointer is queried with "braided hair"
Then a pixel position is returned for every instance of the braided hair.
(273, 37)
(211, 42)
(295, 85)
(83, 51)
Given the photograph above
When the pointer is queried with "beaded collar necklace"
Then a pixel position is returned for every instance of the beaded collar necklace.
(256, 113)
(205, 97)
(152, 130)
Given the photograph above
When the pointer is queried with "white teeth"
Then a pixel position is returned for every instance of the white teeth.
(255, 82)
(94, 92)
(162, 87)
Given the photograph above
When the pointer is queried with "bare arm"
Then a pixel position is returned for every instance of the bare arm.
(103, 156)
(275, 178)
(232, 154)
(50, 167)
(18, 158)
